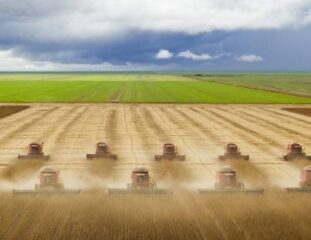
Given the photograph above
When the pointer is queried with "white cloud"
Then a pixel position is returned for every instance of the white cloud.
(250, 58)
(88, 19)
(11, 62)
(164, 54)
(197, 57)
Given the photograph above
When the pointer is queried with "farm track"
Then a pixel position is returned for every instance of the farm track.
(136, 133)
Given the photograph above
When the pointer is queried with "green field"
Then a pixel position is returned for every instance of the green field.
(294, 83)
(131, 88)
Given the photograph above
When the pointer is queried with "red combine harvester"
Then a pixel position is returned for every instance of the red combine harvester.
(102, 152)
(35, 151)
(170, 153)
(295, 151)
(49, 182)
(227, 181)
(305, 181)
(141, 183)
(232, 151)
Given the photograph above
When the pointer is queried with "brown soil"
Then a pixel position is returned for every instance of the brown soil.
(9, 110)
(303, 111)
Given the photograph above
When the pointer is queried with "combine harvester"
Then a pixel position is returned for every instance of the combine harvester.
(170, 153)
(35, 151)
(227, 181)
(102, 152)
(295, 151)
(232, 151)
(141, 183)
(305, 181)
(49, 183)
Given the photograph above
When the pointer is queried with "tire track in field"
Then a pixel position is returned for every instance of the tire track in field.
(68, 127)
(103, 122)
(233, 128)
(141, 133)
(18, 116)
(288, 115)
(78, 134)
(211, 141)
(236, 124)
(25, 167)
(32, 122)
(173, 170)
(286, 168)
(111, 126)
(199, 126)
(302, 138)
(266, 130)
(170, 120)
(248, 169)
(252, 170)
(33, 165)
(71, 115)
(183, 121)
(129, 134)
(249, 115)
(101, 169)
(272, 134)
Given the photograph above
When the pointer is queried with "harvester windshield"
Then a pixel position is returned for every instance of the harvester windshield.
(229, 178)
(102, 147)
(232, 148)
(169, 148)
(296, 148)
(35, 148)
(48, 178)
(141, 178)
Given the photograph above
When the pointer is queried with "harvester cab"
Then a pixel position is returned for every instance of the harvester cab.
(141, 179)
(170, 153)
(304, 183)
(227, 178)
(232, 151)
(49, 181)
(102, 152)
(295, 151)
(141, 182)
(35, 151)
(227, 181)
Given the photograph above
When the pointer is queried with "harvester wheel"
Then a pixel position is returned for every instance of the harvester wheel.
(114, 156)
(157, 157)
(222, 158)
(181, 157)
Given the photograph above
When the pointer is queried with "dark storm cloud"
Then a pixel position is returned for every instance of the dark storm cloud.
(200, 34)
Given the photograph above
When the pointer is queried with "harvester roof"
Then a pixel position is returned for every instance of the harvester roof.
(49, 170)
(296, 145)
(141, 170)
(227, 169)
(101, 144)
(231, 144)
(34, 144)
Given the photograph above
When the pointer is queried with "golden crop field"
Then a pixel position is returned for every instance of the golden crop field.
(136, 133)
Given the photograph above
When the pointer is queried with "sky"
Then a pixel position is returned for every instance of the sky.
(148, 35)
